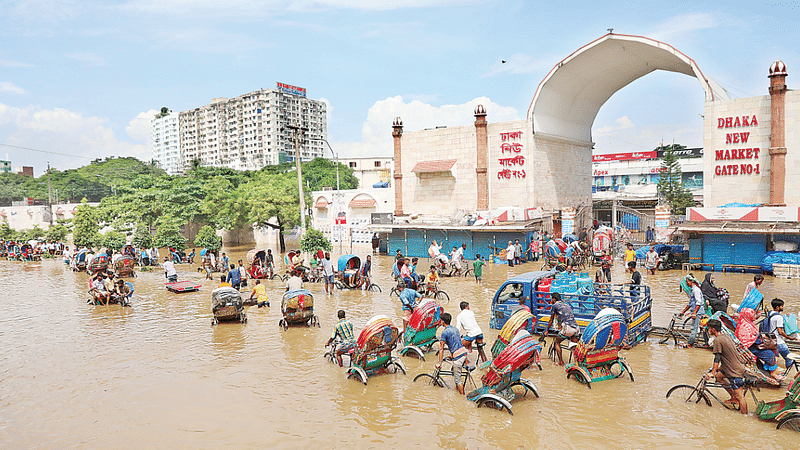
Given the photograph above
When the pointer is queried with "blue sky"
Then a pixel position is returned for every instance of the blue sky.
(83, 77)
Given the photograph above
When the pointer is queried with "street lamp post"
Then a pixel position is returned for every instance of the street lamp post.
(298, 135)
(336, 161)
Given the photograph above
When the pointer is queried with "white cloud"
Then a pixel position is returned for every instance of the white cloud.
(13, 64)
(683, 24)
(376, 133)
(139, 127)
(67, 132)
(11, 88)
(623, 123)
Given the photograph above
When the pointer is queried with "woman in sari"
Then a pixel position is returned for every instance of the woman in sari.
(748, 335)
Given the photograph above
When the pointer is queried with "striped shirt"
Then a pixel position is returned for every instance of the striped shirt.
(344, 330)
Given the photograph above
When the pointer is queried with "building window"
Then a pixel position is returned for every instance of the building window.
(353, 165)
(377, 163)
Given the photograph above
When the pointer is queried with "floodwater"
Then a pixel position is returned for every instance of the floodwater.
(158, 375)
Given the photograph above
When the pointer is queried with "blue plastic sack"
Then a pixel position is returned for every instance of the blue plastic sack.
(752, 300)
(771, 258)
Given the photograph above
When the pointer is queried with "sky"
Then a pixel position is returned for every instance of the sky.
(82, 79)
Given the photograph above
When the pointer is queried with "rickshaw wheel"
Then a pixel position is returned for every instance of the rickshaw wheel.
(490, 403)
(338, 285)
(790, 422)
(442, 297)
(354, 374)
(468, 273)
(428, 379)
(394, 292)
(374, 288)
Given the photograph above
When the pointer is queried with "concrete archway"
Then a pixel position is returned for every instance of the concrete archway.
(568, 98)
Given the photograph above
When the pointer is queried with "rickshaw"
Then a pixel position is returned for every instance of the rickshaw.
(78, 263)
(420, 334)
(374, 348)
(122, 300)
(350, 275)
(256, 267)
(227, 306)
(98, 262)
(505, 373)
(785, 411)
(602, 240)
(597, 353)
(123, 265)
(519, 318)
(297, 307)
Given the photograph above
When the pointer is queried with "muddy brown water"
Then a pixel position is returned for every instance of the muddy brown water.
(158, 375)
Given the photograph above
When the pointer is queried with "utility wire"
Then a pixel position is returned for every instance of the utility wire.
(44, 151)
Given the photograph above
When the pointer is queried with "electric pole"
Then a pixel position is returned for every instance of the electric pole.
(49, 195)
(298, 136)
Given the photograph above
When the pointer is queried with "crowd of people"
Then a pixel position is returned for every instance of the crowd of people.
(29, 251)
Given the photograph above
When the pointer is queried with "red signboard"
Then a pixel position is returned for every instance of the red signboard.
(625, 156)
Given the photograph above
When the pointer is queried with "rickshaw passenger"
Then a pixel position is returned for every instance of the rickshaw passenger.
(294, 282)
(408, 297)
(98, 289)
(343, 333)
(223, 282)
(431, 279)
(405, 273)
(452, 339)
(566, 318)
(396, 270)
(242, 273)
(413, 269)
(748, 334)
(260, 293)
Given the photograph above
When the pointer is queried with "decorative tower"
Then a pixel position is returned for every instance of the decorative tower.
(397, 134)
(777, 148)
(482, 147)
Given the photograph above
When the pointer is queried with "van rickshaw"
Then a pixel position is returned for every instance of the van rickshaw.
(297, 307)
(122, 300)
(374, 348)
(227, 306)
(505, 373)
(98, 262)
(123, 265)
(420, 334)
(597, 353)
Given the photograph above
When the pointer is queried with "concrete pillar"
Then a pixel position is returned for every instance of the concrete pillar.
(567, 220)
(397, 134)
(662, 216)
(482, 147)
(777, 148)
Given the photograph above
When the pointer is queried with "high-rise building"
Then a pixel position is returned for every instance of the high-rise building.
(251, 131)
(166, 141)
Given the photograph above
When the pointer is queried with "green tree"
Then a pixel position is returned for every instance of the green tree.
(114, 240)
(670, 182)
(314, 240)
(6, 232)
(207, 238)
(56, 233)
(142, 237)
(33, 233)
(86, 226)
(168, 235)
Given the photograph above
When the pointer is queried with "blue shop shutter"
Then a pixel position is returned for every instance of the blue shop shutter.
(696, 250)
(749, 248)
(718, 249)
(417, 247)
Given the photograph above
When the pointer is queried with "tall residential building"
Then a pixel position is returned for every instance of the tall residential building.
(251, 131)
(166, 141)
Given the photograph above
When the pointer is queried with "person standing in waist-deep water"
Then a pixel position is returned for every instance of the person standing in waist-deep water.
(376, 243)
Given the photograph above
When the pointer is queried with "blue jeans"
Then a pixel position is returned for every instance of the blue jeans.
(695, 328)
(783, 350)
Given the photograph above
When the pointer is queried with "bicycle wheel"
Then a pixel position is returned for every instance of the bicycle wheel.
(442, 297)
(468, 273)
(394, 292)
(428, 379)
(687, 394)
(790, 422)
(374, 288)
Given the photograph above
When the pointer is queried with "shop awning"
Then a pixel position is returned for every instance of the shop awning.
(439, 165)
(322, 202)
(362, 203)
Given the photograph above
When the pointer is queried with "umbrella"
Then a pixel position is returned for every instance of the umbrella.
(203, 252)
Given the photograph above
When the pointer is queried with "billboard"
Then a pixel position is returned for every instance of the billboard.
(289, 89)
(624, 156)
(685, 153)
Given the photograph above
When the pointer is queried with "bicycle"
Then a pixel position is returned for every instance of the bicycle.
(680, 329)
(703, 392)
(437, 378)
(330, 354)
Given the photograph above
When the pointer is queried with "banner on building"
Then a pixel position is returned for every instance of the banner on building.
(752, 214)
(624, 156)
(289, 89)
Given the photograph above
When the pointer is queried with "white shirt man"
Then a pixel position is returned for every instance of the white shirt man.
(466, 322)
(435, 252)
(651, 259)
(169, 269)
(510, 253)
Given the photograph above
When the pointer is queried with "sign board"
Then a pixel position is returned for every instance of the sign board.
(341, 218)
(684, 153)
(382, 218)
(750, 214)
(785, 214)
(624, 156)
(289, 89)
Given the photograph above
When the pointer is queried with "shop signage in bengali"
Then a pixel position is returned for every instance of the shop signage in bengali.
(760, 214)
(508, 149)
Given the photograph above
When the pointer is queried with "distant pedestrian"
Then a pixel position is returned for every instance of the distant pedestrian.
(328, 272)
(510, 254)
(477, 268)
(376, 243)
(651, 261)
(517, 252)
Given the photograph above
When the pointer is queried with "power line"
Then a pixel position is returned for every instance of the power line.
(44, 151)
